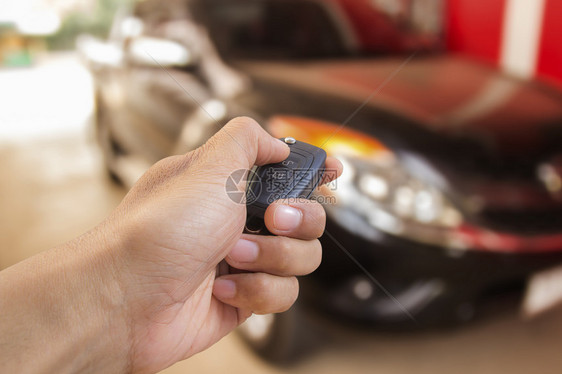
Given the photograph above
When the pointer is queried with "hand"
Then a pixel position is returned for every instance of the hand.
(177, 224)
(142, 290)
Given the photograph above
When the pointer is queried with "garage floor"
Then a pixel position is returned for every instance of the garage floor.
(54, 188)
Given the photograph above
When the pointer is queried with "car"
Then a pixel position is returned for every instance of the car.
(451, 195)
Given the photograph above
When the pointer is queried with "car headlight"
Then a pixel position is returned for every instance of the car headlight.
(389, 199)
(375, 192)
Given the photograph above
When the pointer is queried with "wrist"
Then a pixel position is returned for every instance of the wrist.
(73, 310)
(97, 302)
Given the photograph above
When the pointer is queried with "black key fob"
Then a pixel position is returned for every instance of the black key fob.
(296, 177)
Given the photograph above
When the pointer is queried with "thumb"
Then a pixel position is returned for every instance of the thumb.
(243, 143)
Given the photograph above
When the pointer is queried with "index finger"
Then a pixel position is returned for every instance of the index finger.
(333, 170)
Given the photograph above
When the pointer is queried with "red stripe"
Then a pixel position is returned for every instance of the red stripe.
(549, 64)
(474, 27)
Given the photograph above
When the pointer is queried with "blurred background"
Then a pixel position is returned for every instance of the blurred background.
(447, 232)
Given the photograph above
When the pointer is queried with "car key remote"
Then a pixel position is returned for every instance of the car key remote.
(295, 177)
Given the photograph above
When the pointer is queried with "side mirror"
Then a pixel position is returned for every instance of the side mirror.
(156, 52)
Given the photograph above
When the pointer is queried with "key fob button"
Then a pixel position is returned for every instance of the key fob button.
(296, 160)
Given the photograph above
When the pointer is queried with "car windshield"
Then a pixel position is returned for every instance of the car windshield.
(271, 29)
(311, 29)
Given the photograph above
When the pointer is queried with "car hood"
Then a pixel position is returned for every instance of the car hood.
(487, 133)
(451, 97)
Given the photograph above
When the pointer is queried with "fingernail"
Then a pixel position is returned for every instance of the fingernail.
(244, 251)
(286, 218)
(224, 288)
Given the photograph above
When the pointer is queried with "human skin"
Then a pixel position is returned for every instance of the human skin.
(142, 290)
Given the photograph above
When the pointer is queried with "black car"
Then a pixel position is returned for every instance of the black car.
(452, 190)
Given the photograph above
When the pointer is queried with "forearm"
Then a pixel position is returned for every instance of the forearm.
(60, 312)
